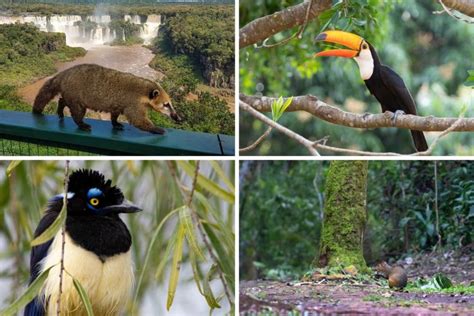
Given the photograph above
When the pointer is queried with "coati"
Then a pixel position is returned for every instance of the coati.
(90, 86)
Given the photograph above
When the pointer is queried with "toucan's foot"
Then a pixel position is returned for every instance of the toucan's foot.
(396, 115)
(366, 115)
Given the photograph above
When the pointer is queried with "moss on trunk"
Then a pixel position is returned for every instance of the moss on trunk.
(344, 215)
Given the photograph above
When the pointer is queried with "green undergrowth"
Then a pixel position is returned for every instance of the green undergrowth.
(456, 289)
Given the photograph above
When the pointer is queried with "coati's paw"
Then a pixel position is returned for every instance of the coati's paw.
(85, 127)
(158, 130)
(37, 112)
(117, 126)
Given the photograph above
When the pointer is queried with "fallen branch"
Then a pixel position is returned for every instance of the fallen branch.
(264, 27)
(331, 114)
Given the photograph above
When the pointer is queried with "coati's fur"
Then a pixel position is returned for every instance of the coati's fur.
(94, 87)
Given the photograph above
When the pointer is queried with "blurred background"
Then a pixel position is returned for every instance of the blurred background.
(431, 52)
(150, 185)
(282, 205)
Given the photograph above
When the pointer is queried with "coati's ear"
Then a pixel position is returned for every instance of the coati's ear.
(154, 94)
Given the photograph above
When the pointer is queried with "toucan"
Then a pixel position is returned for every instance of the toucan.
(96, 250)
(384, 83)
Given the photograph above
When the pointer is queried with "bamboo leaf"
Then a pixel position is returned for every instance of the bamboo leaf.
(211, 300)
(222, 176)
(52, 230)
(175, 266)
(83, 295)
(28, 296)
(186, 220)
(12, 166)
(150, 250)
(207, 184)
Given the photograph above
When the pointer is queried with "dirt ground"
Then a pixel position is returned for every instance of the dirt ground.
(323, 299)
(355, 298)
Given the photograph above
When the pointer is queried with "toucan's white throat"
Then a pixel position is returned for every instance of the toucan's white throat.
(365, 63)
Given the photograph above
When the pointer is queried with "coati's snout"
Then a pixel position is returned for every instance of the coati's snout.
(161, 102)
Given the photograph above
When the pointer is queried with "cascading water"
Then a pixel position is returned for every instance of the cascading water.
(80, 32)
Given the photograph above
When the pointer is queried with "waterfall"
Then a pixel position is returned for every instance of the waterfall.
(150, 28)
(78, 35)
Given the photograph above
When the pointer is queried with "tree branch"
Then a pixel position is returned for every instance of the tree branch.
(63, 238)
(264, 27)
(257, 142)
(321, 144)
(464, 6)
(331, 114)
(300, 139)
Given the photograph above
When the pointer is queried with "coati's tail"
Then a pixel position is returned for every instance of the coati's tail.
(47, 92)
(419, 140)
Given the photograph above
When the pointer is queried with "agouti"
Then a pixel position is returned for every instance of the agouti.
(397, 276)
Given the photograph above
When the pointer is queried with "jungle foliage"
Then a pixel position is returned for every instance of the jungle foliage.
(156, 187)
(27, 53)
(204, 112)
(282, 204)
(208, 38)
(430, 52)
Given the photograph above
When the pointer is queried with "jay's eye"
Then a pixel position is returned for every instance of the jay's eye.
(94, 201)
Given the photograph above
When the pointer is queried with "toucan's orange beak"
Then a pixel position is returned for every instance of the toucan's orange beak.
(349, 40)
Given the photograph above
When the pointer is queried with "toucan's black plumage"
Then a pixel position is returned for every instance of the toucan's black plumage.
(390, 90)
(384, 83)
(97, 244)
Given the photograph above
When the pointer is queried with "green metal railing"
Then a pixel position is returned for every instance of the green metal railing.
(19, 130)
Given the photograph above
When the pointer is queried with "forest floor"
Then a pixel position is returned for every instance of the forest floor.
(347, 297)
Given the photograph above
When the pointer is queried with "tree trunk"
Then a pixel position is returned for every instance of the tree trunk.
(344, 215)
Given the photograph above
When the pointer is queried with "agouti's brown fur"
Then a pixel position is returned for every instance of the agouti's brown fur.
(397, 276)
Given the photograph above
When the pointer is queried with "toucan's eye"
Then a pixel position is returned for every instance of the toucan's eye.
(94, 201)
(364, 46)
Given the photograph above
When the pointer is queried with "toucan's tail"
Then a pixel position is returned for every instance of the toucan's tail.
(419, 140)
(47, 92)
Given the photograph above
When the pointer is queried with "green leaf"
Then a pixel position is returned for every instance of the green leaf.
(165, 256)
(53, 229)
(175, 266)
(222, 176)
(279, 107)
(12, 166)
(211, 300)
(150, 250)
(224, 259)
(470, 80)
(287, 104)
(196, 274)
(207, 184)
(30, 293)
(83, 295)
(186, 220)
(228, 236)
